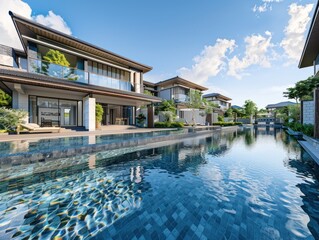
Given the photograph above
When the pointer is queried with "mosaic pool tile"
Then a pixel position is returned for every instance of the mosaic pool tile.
(207, 188)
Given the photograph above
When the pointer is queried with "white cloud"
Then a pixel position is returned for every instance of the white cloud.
(266, 5)
(8, 32)
(210, 62)
(216, 89)
(53, 21)
(294, 32)
(256, 53)
(280, 89)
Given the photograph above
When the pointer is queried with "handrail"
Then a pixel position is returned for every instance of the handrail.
(78, 75)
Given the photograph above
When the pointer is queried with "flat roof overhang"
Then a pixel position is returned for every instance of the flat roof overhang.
(311, 48)
(27, 27)
(22, 77)
(218, 96)
(179, 80)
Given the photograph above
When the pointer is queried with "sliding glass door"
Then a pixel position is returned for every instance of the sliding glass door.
(52, 112)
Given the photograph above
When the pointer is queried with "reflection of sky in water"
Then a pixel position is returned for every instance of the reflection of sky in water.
(23, 146)
(232, 185)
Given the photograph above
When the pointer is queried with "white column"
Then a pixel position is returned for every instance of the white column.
(137, 83)
(20, 101)
(89, 113)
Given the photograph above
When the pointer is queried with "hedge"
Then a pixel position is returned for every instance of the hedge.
(168, 124)
(307, 129)
(227, 124)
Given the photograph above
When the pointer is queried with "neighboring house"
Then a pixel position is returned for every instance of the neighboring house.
(237, 107)
(220, 100)
(177, 89)
(310, 58)
(271, 107)
(56, 95)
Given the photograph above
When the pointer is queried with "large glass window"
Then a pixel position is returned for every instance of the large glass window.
(50, 112)
(68, 111)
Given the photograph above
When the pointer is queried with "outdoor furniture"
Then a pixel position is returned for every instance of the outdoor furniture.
(35, 128)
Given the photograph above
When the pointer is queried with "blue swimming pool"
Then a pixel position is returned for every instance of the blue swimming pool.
(246, 184)
(29, 146)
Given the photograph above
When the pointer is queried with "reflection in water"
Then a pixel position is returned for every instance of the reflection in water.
(250, 184)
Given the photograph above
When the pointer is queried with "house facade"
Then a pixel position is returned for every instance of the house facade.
(310, 58)
(177, 89)
(66, 94)
(220, 100)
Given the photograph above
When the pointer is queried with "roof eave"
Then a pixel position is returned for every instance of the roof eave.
(15, 17)
(302, 60)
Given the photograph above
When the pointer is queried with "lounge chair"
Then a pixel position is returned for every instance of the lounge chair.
(35, 128)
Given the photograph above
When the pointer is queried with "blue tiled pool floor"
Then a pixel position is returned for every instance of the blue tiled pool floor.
(239, 185)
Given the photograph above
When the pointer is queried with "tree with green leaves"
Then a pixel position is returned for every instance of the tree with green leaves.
(167, 105)
(194, 101)
(98, 114)
(250, 109)
(303, 90)
(11, 119)
(56, 57)
(148, 93)
(5, 99)
(228, 113)
(167, 110)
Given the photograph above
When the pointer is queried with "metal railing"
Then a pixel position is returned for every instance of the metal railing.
(76, 75)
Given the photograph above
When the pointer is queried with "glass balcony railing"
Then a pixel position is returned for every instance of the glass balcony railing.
(180, 97)
(76, 75)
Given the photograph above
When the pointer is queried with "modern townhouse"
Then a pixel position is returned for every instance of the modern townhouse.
(220, 100)
(310, 58)
(177, 89)
(66, 94)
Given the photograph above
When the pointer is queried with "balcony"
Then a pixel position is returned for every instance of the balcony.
(180, 98)
(76, 75)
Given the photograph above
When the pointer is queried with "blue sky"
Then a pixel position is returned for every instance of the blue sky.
(244, 49)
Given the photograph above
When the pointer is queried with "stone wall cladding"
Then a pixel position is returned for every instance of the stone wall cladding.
(308, 112)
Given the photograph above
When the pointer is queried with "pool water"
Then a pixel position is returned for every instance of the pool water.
(50, 144)
(247, 184)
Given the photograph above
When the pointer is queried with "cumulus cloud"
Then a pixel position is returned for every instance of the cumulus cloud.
(210, 61)
(294, 32)
(8, 32)
(266, 5)
(53, 21)
(256, 53)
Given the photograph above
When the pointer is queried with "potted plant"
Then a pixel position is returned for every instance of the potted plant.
(140, 119)
(98, 115)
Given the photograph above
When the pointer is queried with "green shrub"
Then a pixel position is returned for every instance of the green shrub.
(227, 124)
(220, 118)
(161, 124)
(177, 125)
(98, 113)
(308, 129)
(168, 125)
(11, 119)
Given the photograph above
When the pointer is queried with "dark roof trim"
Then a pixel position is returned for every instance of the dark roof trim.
(178, 79)
(311, 48)
(16, 17)
(51, 82)
(280, 105)
(218, 95)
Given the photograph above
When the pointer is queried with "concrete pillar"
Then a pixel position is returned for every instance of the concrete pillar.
(316, 102)
(89, 113)
(137, 82)
(21, 101)
(150, 116)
